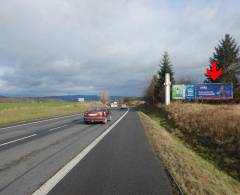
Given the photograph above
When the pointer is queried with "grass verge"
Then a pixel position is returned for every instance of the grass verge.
(194, 174)
(211, 130)
(27, 111)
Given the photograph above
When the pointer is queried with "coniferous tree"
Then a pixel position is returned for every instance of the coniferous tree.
(226, 55)
(165, 67)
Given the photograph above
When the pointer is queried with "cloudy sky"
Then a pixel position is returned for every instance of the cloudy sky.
(56, 47)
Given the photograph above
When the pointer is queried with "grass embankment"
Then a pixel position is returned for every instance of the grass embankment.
(211, 130)
(194, 174)
(25, 111)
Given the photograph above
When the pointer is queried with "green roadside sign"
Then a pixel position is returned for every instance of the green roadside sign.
(178, 92)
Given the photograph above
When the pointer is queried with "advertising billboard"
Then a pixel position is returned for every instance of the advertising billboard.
(178, 92)
(214, 91)
(190, 92)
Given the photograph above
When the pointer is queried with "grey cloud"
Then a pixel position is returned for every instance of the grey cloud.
(75, 47)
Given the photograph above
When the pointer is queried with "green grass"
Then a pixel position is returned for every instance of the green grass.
(31, 104)
(157, 116)
(194, 174)
(28, 110)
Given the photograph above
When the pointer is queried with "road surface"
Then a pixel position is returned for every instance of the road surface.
(121, 163)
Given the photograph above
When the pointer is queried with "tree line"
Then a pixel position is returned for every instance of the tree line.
(227, 56)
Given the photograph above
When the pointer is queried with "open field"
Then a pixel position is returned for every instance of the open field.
(14, 105)
(193, 173)
(32, 110)
(211, 130)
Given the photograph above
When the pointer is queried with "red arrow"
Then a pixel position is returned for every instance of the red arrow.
(214, 73)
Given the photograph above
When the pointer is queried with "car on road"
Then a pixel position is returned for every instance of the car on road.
(97, 115)
(114, 105)
(124, 106)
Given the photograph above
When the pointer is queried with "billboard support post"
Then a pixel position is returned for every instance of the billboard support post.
(167, 85)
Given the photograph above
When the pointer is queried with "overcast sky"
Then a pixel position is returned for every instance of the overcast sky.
(56, 47)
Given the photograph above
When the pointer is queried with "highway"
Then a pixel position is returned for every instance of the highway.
(121, 163)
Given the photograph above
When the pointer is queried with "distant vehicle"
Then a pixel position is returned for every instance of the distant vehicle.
(97, 115)
(124, 106)
(114, 105)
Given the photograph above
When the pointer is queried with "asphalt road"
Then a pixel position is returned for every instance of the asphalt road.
(122, 163)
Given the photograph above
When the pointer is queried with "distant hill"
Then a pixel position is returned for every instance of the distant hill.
(72, 98)
(75, 97)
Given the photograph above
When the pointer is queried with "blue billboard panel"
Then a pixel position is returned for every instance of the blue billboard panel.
(190, 92)
(214, 91)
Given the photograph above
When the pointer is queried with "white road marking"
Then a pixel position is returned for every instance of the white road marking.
(36, 122)
(53, 181)
(53, 129)
(16, 140)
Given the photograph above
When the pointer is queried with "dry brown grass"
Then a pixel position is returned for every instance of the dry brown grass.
(194, 174)
(212, 130)
(217, 124)
(135, 102)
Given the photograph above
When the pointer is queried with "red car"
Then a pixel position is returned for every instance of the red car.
(97, 115)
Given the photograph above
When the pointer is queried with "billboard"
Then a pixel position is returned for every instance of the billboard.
(214, 91)
(203, 91)
(190, 92)
(178, 92)
(80, 99)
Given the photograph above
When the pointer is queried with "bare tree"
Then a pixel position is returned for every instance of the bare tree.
(150, 92)
(104, 96)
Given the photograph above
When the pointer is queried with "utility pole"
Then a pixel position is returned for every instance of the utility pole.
(167, 85)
